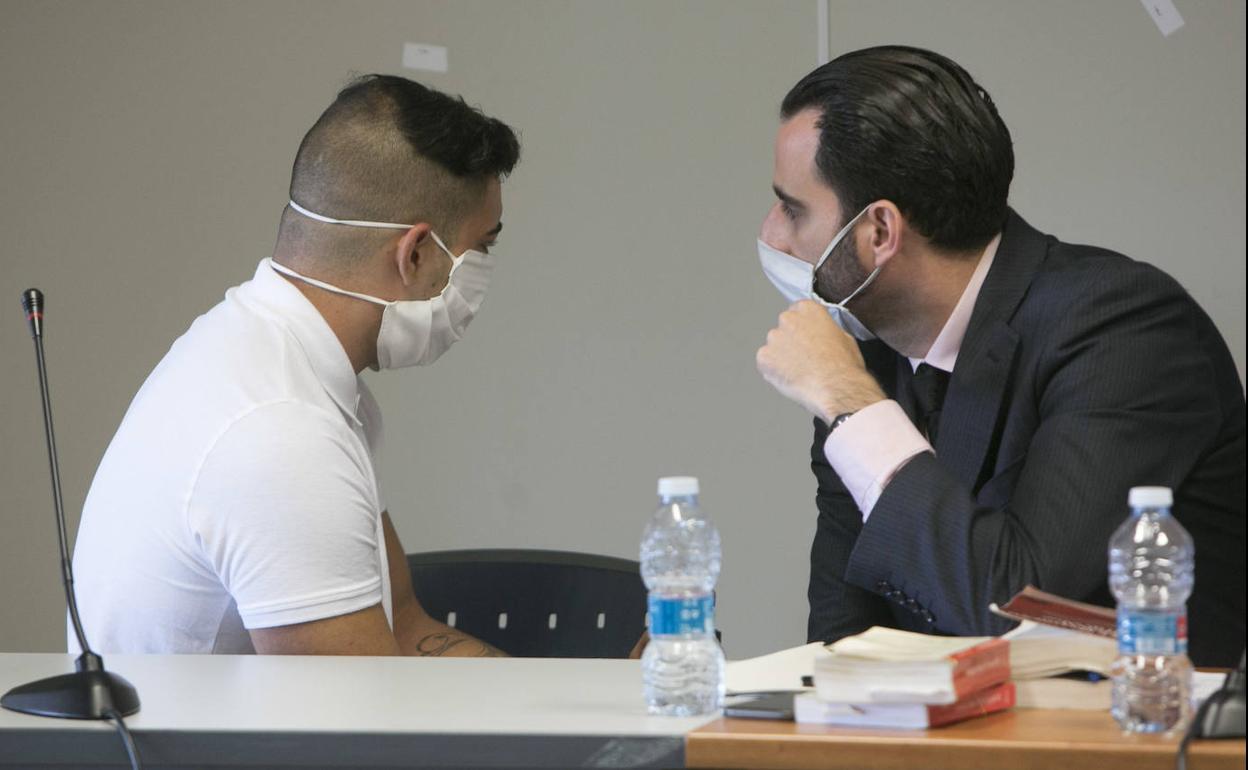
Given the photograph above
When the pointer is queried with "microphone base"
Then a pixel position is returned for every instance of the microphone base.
(88, 693)
(1223, 717)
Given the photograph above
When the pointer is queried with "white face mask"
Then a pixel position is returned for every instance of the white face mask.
(414, 332)
(795, 279)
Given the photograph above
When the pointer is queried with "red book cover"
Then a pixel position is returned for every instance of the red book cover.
(1051, 610)
(996, 698)
(979, 667)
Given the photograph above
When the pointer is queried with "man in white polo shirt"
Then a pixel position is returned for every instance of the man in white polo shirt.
(238, 508)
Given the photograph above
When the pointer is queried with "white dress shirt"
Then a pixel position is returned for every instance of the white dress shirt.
(868, 449)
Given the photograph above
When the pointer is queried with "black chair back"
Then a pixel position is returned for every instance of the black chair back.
(533, 603)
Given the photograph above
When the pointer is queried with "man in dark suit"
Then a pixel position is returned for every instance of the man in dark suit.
(1005, 390)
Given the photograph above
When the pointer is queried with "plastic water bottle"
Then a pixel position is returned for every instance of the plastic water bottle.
(683, 666)
(1151, 572)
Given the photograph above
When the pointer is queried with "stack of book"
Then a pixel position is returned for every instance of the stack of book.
(1058, 657)
(884, 677)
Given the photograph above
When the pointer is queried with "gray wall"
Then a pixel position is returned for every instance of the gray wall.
(144, 154)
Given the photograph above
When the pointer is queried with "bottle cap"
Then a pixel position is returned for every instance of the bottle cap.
(672, 486)
(1150, 497)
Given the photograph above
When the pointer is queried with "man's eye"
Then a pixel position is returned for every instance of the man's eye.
(788, 210)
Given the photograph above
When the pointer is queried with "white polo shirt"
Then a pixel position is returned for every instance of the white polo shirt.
(240, 490)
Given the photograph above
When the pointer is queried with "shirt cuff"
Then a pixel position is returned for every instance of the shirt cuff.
(868, 449)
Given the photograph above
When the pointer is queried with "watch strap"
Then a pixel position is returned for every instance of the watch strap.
(838, 420)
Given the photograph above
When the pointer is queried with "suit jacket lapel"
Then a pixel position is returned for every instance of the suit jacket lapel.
(981, 376)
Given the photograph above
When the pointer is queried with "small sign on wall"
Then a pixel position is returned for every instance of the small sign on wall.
(422, 56)
(1164, 15)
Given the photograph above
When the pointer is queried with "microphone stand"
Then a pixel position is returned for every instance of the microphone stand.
(90, 692)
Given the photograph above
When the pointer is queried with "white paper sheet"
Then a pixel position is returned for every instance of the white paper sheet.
(779, 671)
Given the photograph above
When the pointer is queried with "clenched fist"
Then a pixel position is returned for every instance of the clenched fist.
(811, 361)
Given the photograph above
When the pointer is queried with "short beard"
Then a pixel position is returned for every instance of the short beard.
(841, 273)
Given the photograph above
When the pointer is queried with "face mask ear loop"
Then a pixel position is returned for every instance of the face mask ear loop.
(836, 240)
(442, 245)
(348, 222)
(455, 261)
(840, 236)
(327, 287)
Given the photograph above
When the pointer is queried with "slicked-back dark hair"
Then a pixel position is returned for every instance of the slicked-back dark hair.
(393, 150)
(911, 126)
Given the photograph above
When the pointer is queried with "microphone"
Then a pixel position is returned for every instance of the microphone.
(32, 306)
(90, 692)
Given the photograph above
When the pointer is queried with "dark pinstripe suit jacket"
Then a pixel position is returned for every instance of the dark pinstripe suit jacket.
(1082, 373)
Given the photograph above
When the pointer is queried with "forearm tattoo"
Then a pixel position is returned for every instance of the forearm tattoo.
(436, 645)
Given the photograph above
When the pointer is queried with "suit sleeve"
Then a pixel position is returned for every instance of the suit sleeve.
(837, 607)
(1123, 396)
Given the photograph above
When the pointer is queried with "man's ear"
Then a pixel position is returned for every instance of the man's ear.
(407, 252)
(884, 227)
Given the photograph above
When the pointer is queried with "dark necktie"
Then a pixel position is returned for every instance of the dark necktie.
(928, 386)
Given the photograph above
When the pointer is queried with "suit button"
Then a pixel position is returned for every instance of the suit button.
(884, 586)
(929, 618)
(912, 605)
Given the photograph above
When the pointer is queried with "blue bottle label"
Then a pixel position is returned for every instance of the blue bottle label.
(1152, 632)
(679, 616)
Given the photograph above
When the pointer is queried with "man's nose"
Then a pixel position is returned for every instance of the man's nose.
(772, 232)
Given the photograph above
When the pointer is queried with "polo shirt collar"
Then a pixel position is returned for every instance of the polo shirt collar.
(305, 323)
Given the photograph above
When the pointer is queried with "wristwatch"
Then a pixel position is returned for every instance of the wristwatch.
(838, 420)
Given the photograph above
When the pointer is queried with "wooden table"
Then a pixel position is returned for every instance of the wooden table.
(1021, 738)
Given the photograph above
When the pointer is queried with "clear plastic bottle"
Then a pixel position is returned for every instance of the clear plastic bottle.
(1151, 571)
(683, 666)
